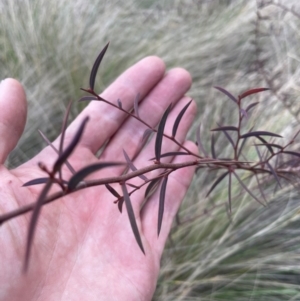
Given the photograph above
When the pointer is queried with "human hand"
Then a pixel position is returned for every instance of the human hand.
(84, 249)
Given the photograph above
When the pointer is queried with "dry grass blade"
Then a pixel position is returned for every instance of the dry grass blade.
(161, 203)
(67, 152)
(131, 217)
(136, 105)
(179, 117)
(160, 133)
(198, 138)
(96, 66)
(219, 179)
(84, 172)
(33, 222)
(72, 170)
(132, 166)
(226, 93)
(252, 91)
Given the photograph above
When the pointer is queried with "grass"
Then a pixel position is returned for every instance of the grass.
(50, 47)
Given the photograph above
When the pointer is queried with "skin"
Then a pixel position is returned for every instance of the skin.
(83, 248)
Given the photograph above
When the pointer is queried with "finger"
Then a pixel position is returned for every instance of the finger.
(13, 112)
(169, 90)
(177, 186)
(106, 120)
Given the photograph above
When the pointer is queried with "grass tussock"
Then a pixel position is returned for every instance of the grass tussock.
(50, 47)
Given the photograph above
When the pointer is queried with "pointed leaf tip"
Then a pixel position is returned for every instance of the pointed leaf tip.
(96, 66)
(252, 91)
(178, 119)
(226, 93)
(161, 204)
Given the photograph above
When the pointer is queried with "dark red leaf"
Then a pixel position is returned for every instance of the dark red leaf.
(292, 153)
(229, 191)
(179, 117)
(132, 167)
(67, 152)
(96, 66)
(84, 172)
(252, 105)
(131, 217)
(136, 105)
(87, 98)
(112, 191)
(160, 133)
(213, 152)
(260, 133)
(120, 204)
(252, 91)
(227, 136)
(72, 170)
(218, 180)
(146, 135)
(161, 204)
(151, 187)
(33, 221)
(226, 93)
(200, 145)
(171, 154)
(39, 181)
(226, 128)
(119, 103)
(270, 144)
(245, 187)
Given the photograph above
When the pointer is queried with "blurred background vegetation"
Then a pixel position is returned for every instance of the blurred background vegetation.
(50, 46)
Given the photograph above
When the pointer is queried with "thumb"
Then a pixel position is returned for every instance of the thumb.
(13, 112)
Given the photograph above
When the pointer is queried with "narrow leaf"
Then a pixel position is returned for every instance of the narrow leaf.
(87, 98)
(245, 187)
(132, 167)
(242, 145)
(72, 170)
(270, 144)
(226, 93)
(39, 181)
(229, 191)
(136, 105)
(266, 144)
(84, 172)
(146, 135)
(178, 119)
(274, 173)
(120, 204)
(169, 154)
(161, 204)
(131, 217)
(218, 180)
(33, 222)
(252, 105)
(252, 91)
(225, 128)
(151, 187)
(213, 152)
(260, 133)
(96, 66)
(227, 136)
(200, 145)
(112, 190)
(119, 103)
(160, 132)
(292, 153)
(67, 152)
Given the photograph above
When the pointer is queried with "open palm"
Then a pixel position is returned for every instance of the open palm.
(84, 249)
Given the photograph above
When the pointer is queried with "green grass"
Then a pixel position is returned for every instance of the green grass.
(50, 47)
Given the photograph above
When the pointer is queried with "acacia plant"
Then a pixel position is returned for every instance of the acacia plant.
(274, 162)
